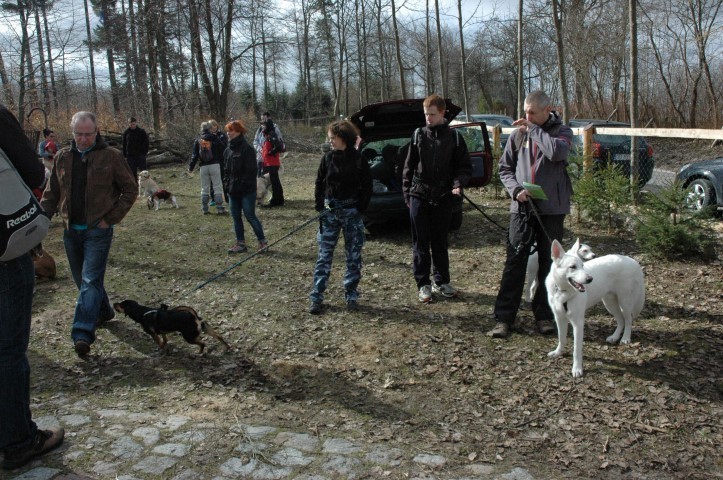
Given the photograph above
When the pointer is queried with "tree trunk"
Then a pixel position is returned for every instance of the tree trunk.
(398, 48)
(108, 25)
(51, 69)
(557, 16)
(93, 86)
(7, 88)
(150, 15)
(440, 56)
(41, 55)
(634, 165)
(520, 87)
(380, 44)
(463, 60)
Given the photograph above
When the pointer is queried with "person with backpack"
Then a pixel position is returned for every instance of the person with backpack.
(207, 152)
(20, 438)
(271, 152)
(437, 167)
(259, 140)
(342, 190)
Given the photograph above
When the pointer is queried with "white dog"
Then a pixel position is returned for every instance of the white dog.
(533, 266)
(574, 286)
(154, 194)
(263, 188)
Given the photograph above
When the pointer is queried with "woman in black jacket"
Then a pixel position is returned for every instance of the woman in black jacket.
(239, 181)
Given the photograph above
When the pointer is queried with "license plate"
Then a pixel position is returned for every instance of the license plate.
(621, 156)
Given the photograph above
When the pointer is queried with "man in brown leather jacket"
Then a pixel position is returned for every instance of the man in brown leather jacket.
(92, 188)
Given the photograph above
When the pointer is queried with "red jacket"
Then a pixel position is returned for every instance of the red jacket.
(269, 159)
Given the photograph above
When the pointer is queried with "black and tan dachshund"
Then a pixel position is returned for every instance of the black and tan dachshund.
(157, 322)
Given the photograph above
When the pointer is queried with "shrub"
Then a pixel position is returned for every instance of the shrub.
(602, 194)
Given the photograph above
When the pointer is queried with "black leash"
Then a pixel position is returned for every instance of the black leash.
(258, 252)
(483, 213)
(531, 204)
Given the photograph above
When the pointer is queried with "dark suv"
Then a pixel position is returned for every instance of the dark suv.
(386, 131)
(615, 149)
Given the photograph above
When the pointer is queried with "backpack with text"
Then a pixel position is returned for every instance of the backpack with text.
(23, 225)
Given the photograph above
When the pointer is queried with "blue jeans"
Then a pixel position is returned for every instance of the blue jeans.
(350, 221)
(87, 252)
(247, 204)
(17, 278)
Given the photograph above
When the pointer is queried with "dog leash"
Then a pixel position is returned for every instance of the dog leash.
(258, 252)
(483, 213)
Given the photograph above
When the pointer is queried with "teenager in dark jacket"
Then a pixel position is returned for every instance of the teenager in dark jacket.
(210, 168)
(342, 190)
(537, 154)
(20, 438)
(135, 147)
(239, 182)
(437, 167)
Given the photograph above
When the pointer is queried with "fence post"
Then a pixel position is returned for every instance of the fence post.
(587, 132)
(496, 134)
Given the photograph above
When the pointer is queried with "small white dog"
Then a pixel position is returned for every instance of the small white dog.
(154, 194)
(533, 266)
(263, 188)
(574, 286)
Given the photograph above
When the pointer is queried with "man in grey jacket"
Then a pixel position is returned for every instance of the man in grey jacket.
(535, 154)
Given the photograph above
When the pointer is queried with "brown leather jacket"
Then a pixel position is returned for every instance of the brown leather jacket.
(110, 192)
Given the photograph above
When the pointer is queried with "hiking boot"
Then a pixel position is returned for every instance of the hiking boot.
(44, 441)
(546, 327)
(425, 294)
(501, 330)
(263, 247)
(238, 248)
(315, 308)
(82, 348)
(352, 305)
(446, 290)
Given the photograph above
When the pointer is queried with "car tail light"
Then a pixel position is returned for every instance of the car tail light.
(650, 151)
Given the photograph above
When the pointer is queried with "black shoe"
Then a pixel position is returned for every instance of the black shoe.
(501, 330)
(82, 348)
(352, 306)
(315, 308)
(44, 441)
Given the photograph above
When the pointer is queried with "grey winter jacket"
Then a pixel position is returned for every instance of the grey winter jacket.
(539, 157)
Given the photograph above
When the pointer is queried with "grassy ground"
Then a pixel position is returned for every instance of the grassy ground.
(418, 376)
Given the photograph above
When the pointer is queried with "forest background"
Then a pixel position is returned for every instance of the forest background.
(175, 62)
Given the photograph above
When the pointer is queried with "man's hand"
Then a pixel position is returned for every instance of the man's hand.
(523, 196)
(523, 123)
(457, 191)
(102, 224)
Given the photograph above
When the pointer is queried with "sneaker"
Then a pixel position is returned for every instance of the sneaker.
(211, 203)
(315, 308)
(501, 330)
(263, 247)
(352, 305)
(238, 248)
(546, 327)
(425, 294)
(82, 348)
(446, 290)
(44, 441)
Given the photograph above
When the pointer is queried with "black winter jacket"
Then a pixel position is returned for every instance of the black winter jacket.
(239, 168)
(439, 158)
(343, 175)
(135, 142)
(19, 150)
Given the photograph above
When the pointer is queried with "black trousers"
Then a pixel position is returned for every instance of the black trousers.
(523, 232)
(137, 164)
(277, 191)
(430, 226)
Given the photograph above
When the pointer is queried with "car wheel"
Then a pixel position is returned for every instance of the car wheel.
(700, 194)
